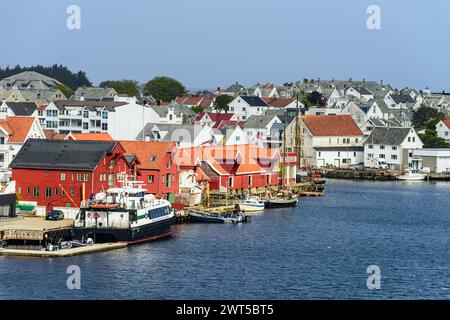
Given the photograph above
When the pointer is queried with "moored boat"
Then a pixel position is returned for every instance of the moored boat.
(125, 214)
(281, 203)
(412, 175)
(252, 205)
(207, 217)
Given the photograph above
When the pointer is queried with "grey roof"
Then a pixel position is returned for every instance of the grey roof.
(23, 79)
(40, 94)
(62, 154)
(341, 149)
(236, 88)
(94, 93)
(179, 110)
(402, 98)
(22, 108)
(170, 128)
(89, 104)
(254, 101)
(392, 136)
(363, 91)
(258, 121)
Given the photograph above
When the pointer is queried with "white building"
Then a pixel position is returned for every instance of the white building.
(330, 140)
(443, 129)
(264, 131)
(392, 146)
(246, 106)
(14, 131)
(437, 160)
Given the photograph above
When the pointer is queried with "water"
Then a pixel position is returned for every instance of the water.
(321, 250)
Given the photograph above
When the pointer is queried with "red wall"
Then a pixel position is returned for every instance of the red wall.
(43, 178)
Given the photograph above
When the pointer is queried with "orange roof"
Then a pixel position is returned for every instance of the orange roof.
(331, 125)
(101, 136)
(150, 153)
(17, 128)
(200, 175)
(280, 103)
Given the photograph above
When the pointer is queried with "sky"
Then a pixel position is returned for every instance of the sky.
(211, 43)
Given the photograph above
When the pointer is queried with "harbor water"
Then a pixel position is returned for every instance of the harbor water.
(320, 250)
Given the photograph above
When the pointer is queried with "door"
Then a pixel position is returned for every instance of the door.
(337, 163)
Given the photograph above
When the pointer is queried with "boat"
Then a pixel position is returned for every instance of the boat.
(126, 214)
(281, 203)
(209, 217)
(252, 205)
(412, 175)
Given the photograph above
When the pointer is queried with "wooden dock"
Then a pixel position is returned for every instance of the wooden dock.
(100, 247)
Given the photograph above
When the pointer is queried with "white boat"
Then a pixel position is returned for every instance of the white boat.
(252, 205)
(412, 175)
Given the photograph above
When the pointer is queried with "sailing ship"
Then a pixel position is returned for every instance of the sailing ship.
(125, 214)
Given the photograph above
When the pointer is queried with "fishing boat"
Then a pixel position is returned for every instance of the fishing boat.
(281, 203)
(252, 205)
(209, 217)
(125, 214)
(412, 175)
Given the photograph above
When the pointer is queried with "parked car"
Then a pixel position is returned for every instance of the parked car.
(55, 215)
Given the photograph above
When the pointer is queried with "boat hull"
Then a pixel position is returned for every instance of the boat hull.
(249, 208)
(273, 204)
(147, 232)
(412, 177)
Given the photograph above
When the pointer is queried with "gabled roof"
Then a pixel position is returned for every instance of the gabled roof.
(17, 128)
(94, 93)
(280, 103)
(254, 101)
(363, 91)
(258, 121)
(214, 116)
(392, 136)
(22, 108)
(179, 110)
(402, 98)
(331, 125)
(62, 154)
(151, 154)
(446, 122)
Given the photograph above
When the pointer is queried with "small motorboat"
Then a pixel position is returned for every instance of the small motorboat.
(281, 203)
(207, 217)
(412, 175)
(252, 205)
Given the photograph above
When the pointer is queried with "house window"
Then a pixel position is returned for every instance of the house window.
(370, 155)
(356, 140)
(250, 180)
(85, 125)
(320, 154)
(2, 157)
(238, 138)
(394, 157)
(382, 156)
(79, 177)
(86, 177)
(151, 178)
(381, 147)
(85, 114)
(48, 192)
(72, 192)
(394, 148)
(230, 182)
(2, 140)
(36, 192)
(104, 126)
(111, 179)
(370, 146)
(19, 190)
(104, 115)
(153, 158)
(169, 163)
(56, 191)
(168, 181)
(111, 164)
(414, 139)
(28, 190)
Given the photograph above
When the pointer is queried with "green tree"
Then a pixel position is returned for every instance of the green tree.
(65, 90)
(221, 102)
(423, 116)
(197, 109)
(431, 140)
(164, 88)
(128, 87)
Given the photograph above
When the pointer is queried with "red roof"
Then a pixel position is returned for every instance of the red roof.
(222, 124)
(280, 103)
(331, 125)
(17, 128)
(150, 153)
(215, 116)
(101, 136)
(447, 122)
(42, 107)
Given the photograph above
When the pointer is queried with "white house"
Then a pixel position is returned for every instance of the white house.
(14, 131)
(268, 91)
(246, 106)
(264, 131)
(330, 140)
(233, 135)
(436, 159)
(443, 129)
(392, 146)
(360, 93)
(11, 109)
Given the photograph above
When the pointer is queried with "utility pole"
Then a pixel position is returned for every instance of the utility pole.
(297, 130)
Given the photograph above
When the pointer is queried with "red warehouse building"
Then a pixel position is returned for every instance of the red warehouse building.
(63, 173)
(156, 168)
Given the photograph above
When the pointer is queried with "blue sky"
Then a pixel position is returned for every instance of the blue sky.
(210, 43)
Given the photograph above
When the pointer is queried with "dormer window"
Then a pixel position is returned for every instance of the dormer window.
(153, 158)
